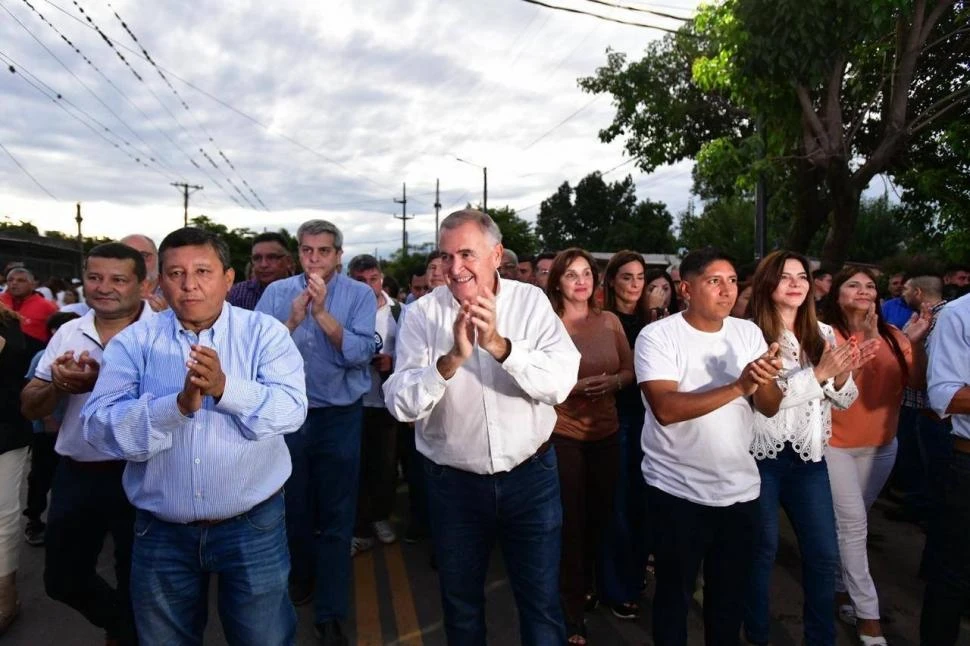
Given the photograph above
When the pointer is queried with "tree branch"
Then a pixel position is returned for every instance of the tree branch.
(811, 117)
(934, 17)
(934, 111)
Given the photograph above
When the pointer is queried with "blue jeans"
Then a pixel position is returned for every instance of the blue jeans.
(622, 560)
(802, 490)
(519, 508)
(170, 568)
(322, 494)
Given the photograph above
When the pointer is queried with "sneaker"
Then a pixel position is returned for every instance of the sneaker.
(358, 545)
(625, 610)
(384, 532)
(34, 532)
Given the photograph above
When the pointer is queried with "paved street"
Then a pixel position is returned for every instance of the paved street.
(395, 600)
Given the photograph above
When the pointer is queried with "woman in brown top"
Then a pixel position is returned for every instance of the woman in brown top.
(585, 437)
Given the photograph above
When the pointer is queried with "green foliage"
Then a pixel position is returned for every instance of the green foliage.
(21, 227)
(239, 240)
(88, 242)
(727, 224)
(402, 267)
(517, 233)
(601, 216)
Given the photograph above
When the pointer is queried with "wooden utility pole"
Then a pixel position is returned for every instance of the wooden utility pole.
(404, 219)
(437, 208)
(80, 241)
(185, 197)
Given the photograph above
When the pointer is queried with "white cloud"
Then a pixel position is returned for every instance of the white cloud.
(388, 92)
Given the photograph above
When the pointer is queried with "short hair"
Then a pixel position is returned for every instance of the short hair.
(506, 253)
(820, 273)
(390, 286)
(930, 285)
(698, 260)
(195, 237)
(57, 319)
(545, 255)
(484, 222)
(363, 262)
(270, 236)
(318, 227)
(559, 266)
(120, 251)
(529, 258)
(20, 270)
(148, 241)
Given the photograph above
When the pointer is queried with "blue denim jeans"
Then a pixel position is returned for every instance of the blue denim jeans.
(522, 511)
(802, 490)
(170, 569)
(321, 493)
(622, 560)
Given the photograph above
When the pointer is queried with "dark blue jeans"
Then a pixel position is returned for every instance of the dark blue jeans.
(170, 569)
(948, 575)
(686, 534)
(322, 494)
(622, 560)
(802, 490)
(88, 503)
(522, 511)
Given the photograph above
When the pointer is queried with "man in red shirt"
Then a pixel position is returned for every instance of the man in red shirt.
(32, 307)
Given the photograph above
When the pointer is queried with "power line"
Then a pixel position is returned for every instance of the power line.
(616, 5)
(561, 123)
(600, 16)
(26, 172)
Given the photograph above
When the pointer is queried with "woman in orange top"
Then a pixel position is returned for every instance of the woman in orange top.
(585, 436)
(862, 449)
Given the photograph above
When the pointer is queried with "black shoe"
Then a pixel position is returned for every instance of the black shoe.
(34, 532)
(329, 633)
(301, 592)
(625, 610)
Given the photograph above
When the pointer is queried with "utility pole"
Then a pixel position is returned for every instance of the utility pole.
(484, 189)
(404, 219)
(80, 241)
(185, 197)
(437, 208)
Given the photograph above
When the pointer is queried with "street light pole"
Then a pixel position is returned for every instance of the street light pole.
(484, 181)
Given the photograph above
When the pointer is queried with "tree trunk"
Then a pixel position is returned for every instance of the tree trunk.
(844, 202)
(810, 209)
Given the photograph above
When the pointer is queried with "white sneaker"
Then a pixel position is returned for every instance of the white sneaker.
(384, 532)
(358, 545)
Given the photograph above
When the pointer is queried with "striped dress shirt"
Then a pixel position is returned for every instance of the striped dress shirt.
(228, 456)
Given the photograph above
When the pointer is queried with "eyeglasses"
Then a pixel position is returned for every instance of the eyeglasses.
(269, 257)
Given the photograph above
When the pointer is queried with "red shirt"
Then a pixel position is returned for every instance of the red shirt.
(34, 310)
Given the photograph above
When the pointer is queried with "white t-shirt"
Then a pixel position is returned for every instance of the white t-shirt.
(704, 460)
(385, 334)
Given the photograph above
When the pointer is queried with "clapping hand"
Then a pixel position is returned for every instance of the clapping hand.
(75, 376)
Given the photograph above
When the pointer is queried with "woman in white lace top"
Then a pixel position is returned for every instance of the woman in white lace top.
(816, 375)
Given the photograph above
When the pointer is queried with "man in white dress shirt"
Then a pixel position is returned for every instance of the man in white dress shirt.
(479, 368)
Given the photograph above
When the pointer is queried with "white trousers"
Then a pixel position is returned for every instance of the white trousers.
(856, 477)
(12, 465)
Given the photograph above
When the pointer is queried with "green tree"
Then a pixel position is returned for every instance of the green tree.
(239, 241)
(727, 224)
(517, 233)
(601, 216)
(842, 90)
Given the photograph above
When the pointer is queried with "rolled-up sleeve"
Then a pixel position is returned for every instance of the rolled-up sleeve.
(116, 419)
(948, 367)
(275, 402)
(416, 386)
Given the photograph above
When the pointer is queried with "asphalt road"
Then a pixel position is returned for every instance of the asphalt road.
(395, 599)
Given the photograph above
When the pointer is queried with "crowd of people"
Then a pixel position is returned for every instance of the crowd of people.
(598, 425)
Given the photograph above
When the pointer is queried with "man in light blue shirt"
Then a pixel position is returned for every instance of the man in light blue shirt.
(197, 401)
(331, 318)
(948, 388)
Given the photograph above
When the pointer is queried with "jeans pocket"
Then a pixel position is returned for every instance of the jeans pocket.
(143, 523)
(266, 516)
(547, 461)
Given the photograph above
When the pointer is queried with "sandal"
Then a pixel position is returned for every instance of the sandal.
(625, 610)
(576, 632)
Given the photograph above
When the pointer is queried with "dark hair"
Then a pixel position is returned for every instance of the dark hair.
(195, 237)
(559, 265)
(545, 255)
(120, 251)
(619, 259)
(821, 272)
(270, 236)
(654, 274)
(434, 254)
(833, 314)
(529, 258)
(765, 281)
(57, 319)
(390, 286)
(954, 267)
(363, 262)
(697, 261)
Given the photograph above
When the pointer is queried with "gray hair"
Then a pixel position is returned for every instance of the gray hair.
(484, 222)
(317, 227)
(21, 270)
(509, 254)
(146, 239)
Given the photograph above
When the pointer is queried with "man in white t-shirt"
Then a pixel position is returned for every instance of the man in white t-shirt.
(697, 370)
(378, 446)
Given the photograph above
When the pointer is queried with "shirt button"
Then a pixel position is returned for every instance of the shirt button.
(198, 494)
(197, 460)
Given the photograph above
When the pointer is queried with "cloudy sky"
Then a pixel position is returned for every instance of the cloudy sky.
(323, 109)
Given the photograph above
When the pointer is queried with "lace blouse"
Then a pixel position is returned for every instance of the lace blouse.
(804, 417)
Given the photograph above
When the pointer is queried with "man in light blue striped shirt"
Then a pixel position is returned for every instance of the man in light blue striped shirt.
(332, 320)
(197, 400)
